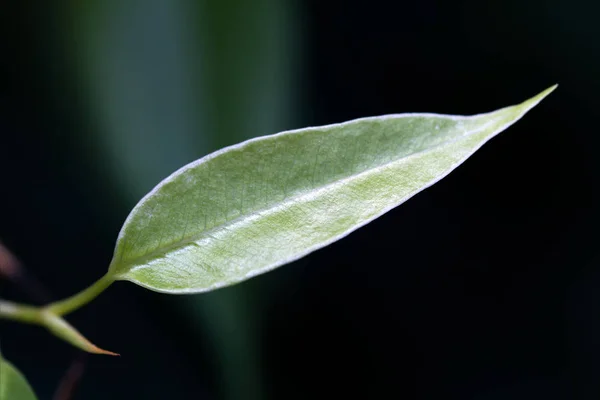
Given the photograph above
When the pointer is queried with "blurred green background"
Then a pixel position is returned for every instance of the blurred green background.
(483, 287)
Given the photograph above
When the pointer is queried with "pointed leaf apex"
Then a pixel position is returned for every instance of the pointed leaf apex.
(539, 97)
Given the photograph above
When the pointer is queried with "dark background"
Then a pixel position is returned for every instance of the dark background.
(484, 286)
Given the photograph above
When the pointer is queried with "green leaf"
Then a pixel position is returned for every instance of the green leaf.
(252, 207)
(13, 385)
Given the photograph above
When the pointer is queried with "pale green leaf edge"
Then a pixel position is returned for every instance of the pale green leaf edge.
(519, 109)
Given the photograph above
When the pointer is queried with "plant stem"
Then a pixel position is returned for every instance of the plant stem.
(50, 316)
(32, 314)
(77, 301)
(20, 312)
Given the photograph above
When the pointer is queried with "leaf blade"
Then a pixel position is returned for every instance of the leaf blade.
(252, 207)
(13, 385)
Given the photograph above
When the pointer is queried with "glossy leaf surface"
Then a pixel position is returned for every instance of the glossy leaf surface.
(252, 207)
(13, 385)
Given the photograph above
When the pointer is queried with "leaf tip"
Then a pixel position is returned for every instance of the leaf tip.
(549, 90)
(527, 105)
(541, 96)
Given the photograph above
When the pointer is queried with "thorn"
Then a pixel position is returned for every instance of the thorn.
(97, 350)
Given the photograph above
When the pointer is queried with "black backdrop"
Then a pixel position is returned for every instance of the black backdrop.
(482, 287)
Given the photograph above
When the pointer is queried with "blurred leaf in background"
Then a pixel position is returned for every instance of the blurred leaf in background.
(13, 385)
(168, 82)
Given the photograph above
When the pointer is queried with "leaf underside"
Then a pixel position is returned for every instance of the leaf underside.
(252, 207)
